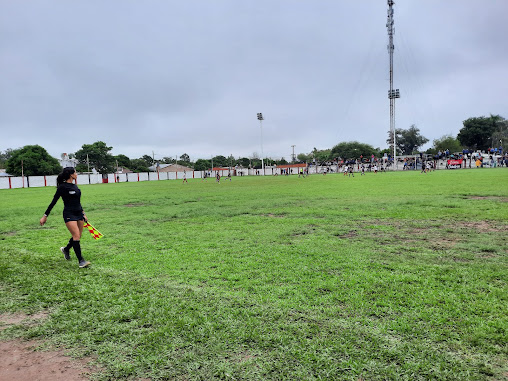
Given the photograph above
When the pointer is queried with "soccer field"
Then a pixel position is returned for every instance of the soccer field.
(384, 276)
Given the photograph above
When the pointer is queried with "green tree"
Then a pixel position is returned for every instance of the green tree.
(202, 165)
(138, 165)
(500, 133)
(148, 160)
(352, 150)
(220, 161)
(36, 161)
(185, 158)
(256, 163)
(304, 158)
(408, 141)
(168, 160)
(231, 161)
(98, 157)
(244, 162)
(321, 155)
(123, 161)
(4, 156)
(446, 142)
(477, 132)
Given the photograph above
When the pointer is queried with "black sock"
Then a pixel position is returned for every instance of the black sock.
(69, 245)
(77, 249)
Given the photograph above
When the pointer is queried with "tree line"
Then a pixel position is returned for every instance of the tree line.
(477, 133)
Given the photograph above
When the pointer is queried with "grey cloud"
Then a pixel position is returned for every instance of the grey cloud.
(174, 77)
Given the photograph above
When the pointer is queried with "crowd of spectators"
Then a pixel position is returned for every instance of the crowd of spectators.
(493, 157)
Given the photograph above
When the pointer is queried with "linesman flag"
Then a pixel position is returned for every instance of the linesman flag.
(93, 231)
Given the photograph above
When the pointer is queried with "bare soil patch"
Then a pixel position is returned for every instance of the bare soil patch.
(274, 215)
(481, 226)
(350, 234)
(6, 320)
(24, 360)
(446, 243)
(21, 361)
(133, 205)
(494, 198)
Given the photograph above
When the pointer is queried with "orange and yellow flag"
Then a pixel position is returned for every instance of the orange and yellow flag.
(93, 231)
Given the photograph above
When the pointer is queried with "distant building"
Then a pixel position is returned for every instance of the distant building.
(170, 168)
(123, 170)
(66, 161)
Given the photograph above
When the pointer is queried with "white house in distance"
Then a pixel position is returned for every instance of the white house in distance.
(66, 161)
(170, 168)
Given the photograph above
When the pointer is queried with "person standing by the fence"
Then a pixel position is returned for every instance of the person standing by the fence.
(73, 213)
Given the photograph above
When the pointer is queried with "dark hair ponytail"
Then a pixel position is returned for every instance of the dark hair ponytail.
(64, 176)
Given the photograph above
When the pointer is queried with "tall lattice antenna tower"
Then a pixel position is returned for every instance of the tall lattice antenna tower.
(392, 93)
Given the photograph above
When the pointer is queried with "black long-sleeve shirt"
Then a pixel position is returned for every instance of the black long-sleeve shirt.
(71, 196)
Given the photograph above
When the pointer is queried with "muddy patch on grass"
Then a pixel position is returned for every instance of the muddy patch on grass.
(483, 226)
(21, 360)
(350, 234)
(25, 360)
(8, 320)
(493, 198)
(444, 243)
(488, 256)
(133, 205)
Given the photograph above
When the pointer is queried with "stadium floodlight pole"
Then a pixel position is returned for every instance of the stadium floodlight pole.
(392, 93)
(260, 118)
(293, 156)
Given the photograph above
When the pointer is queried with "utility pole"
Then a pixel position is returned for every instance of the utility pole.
(293, 155)
(260, 118)
(392, 93)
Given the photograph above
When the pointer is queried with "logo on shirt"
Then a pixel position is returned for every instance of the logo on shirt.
(72, 192)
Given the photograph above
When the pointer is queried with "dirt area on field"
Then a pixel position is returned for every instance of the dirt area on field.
(481, 226)
(20, 361)
(495, 198)
(25, 361)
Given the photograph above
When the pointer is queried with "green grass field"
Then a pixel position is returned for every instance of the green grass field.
(387, 276)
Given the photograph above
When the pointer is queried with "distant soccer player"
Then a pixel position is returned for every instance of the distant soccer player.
(184, 178)
(73, 213)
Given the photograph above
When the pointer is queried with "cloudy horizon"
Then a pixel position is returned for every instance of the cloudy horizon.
(168, 78)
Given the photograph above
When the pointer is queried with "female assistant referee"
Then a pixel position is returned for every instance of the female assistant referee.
(73, 213)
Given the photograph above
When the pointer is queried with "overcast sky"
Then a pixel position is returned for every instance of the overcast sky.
(188, 76)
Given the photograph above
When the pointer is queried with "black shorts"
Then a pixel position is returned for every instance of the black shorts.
(71, 215)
